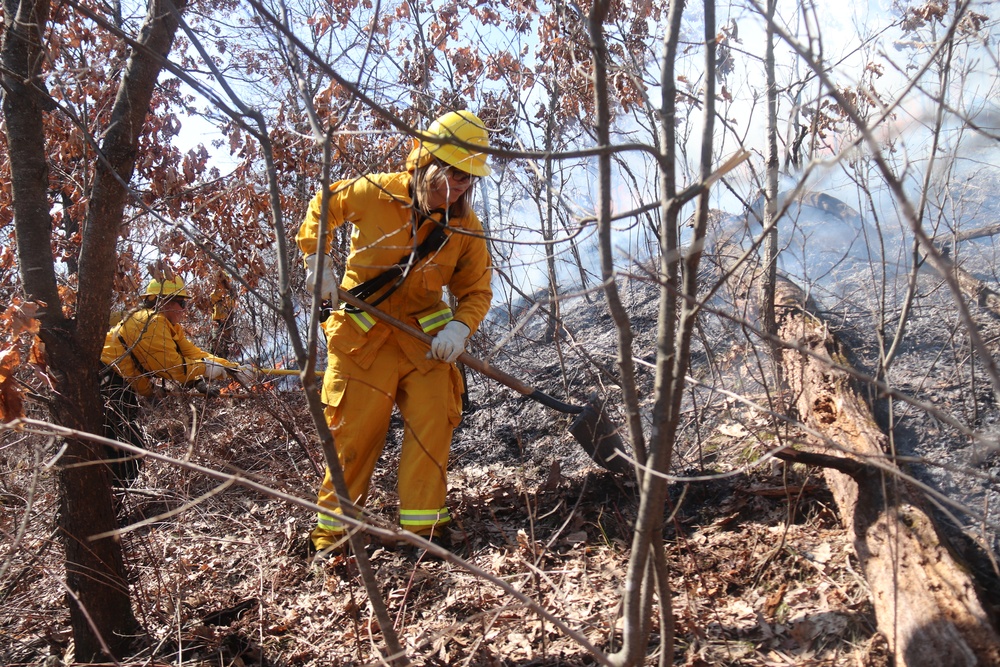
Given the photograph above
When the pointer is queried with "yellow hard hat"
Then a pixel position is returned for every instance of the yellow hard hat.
(173, 287)
(458, 125)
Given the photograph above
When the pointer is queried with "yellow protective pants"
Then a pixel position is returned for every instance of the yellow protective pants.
(358, 413)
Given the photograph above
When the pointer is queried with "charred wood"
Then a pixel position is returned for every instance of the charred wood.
(926, 602)
(974, 288)
(978, 233)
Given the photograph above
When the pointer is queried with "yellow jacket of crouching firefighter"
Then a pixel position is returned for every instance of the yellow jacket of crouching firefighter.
(146, 345)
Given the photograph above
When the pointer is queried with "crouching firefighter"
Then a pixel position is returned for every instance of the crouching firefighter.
(149, 343)
(415, 233)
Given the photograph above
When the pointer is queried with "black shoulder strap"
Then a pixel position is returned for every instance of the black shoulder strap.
(398, 271)
(135, 359)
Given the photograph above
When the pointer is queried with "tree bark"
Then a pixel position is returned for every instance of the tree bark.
(770, 245)
(25, 22)
(115, 169)
(926, 603)
(100, 607)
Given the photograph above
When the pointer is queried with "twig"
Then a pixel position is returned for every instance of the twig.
(849, 467)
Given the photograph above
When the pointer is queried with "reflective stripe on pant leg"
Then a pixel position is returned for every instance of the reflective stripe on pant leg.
(326, 522)
(361, 405)
(423, 521)
(430, 404)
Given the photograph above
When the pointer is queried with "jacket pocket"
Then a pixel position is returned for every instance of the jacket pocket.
(344, 335)
(334, 388)
(437, 272)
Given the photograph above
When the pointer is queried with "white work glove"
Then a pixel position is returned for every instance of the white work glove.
(214, 370)
(328, 283)
(449, 344)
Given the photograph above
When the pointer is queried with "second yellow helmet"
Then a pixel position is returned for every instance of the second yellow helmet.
(173, 287)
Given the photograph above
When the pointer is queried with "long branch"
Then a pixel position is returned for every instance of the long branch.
(48, 429)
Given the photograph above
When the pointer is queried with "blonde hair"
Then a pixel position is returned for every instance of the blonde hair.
(432, 175)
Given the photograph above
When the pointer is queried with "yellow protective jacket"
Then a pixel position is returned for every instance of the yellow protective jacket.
(223, 303)
(146, 345)
(378, 205)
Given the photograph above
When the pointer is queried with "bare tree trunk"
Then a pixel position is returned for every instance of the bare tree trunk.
(676, 321)
(638, 592)
(771, 195)
(548, 224)
(306, 355)
(100, 607)
(926, 603)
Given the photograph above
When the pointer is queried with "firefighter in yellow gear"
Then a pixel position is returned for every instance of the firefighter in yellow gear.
(223, 300)
(149, 343)
(371, 365)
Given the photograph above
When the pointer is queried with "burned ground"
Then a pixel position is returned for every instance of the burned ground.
(761, 570)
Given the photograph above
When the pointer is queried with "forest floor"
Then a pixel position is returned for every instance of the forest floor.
(762, 573)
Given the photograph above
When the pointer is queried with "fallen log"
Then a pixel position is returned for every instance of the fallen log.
(926, 603)
(978, 233)
(974, 288)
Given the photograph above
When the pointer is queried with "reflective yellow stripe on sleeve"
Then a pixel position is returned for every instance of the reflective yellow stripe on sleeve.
(431, 322)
